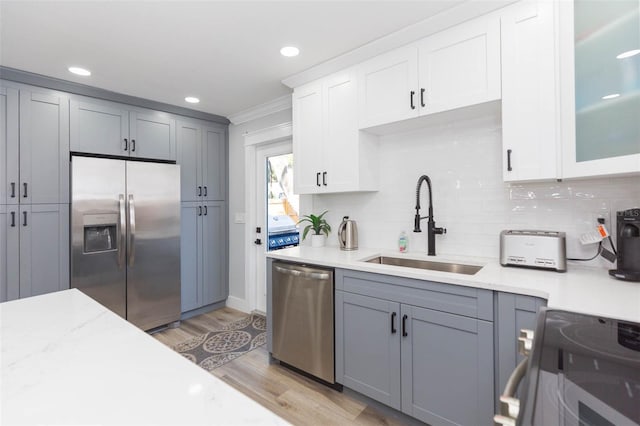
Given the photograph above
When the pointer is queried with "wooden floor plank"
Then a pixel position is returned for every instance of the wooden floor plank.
(295, 398)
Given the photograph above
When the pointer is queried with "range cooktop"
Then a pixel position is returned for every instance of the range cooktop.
(584, 370)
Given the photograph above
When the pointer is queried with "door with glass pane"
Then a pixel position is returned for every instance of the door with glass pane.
(600, 81)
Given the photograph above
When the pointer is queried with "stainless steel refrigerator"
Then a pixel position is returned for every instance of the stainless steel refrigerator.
(125, 237)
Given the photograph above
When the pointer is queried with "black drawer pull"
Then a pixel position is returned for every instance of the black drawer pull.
(199, 191)
(24, 223)
(199, 210)
(13, 219)
(404, 326)
(205, 210)
(126, 144)
(411, 97)
(205, 191)
(13, 190)
(318, 179)
(509, 160)
(324, 178)
(25, 190)
(393, 323)
(133, 145)
(422, 97)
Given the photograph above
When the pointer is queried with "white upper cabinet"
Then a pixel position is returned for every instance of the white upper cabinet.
(460, 66)
(387, 87)
(600, 87)
(451, 69)
(529, 92)
(331, 154)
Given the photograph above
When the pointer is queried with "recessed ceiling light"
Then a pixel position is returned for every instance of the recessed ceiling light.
(192, 99)
(80, 71)
(289, 51)
(611, 96)
(628, 54)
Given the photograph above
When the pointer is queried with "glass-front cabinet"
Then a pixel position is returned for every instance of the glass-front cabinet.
(600, 87)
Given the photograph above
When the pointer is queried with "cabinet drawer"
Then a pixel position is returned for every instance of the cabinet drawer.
(467, 301)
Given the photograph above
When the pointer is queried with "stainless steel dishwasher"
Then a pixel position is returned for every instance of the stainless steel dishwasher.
(303, 331)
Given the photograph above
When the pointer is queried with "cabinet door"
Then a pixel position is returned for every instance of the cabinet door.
(214, 253)
(44, 148)
(447, 368)
(190, 161)
(307, 139)
(214, 170)
(460, 66)
(387, 87)
(340, 147)
(529, 107)
(600, 87)
(153, 135)
(9, 252)
(99, 128)
(8, 145)
(44, 248)
(368, 346)
(191, 256)
(4, 275)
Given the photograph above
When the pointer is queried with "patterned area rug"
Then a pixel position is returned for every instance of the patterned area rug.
(218, 347)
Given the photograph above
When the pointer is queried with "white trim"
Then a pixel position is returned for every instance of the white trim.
(443, 20)
(237, 303)
(268, 135)
(279, 104)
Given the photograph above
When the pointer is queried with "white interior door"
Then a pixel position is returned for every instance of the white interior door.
(263, 153)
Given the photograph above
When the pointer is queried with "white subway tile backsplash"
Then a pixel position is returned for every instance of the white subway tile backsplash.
(464, 161)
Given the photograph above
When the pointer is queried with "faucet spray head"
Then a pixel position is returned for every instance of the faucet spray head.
(416, 223)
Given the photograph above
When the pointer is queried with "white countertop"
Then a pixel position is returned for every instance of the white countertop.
(580, 289)
(65, 359)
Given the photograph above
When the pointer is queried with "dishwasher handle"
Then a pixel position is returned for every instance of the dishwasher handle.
(303, 274)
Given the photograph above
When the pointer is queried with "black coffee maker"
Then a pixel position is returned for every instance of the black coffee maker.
(628, 235)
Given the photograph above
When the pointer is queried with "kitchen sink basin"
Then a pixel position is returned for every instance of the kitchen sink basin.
(456, 268)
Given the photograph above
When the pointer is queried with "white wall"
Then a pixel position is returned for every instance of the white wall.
(237, 202)
(463, 160)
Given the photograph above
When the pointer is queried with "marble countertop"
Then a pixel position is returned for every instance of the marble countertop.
(581, 289)
(65, 359)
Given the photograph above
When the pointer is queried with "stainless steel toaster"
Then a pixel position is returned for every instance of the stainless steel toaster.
(534, 249)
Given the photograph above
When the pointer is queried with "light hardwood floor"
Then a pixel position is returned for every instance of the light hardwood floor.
(295, 398)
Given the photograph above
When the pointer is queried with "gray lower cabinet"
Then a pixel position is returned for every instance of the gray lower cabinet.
(421, 347)
(203, 254)
(202, 154)
(35, 249)
(4, 273)
(34, 140)
(108, 128)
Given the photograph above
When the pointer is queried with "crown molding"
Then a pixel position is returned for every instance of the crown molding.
(448, 18)
(270, 134)
(279, 104)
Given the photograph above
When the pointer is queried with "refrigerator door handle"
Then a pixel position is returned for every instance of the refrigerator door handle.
(132, 231)
(123, 229)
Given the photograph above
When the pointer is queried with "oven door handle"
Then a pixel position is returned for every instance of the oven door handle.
(509, 405)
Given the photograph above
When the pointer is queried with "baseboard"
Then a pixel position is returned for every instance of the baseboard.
(202, 310)
(239, 304)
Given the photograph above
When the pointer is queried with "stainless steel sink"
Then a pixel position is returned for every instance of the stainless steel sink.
(456, 268)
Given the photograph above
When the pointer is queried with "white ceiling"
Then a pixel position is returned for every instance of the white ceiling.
(224, 52)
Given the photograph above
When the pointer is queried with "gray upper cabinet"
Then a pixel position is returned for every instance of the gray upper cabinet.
(44, 148)
(44, 249)
(368, 346)
(107, 128)
(99, 128)
(153, 135)
(8, 141)
(447, 367)
(202, 155)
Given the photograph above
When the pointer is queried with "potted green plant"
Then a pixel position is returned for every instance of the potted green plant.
(319, 226)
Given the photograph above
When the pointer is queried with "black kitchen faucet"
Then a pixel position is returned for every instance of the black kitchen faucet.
(431, 229)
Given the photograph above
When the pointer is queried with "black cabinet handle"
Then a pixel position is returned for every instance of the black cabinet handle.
(324, 178)
(411, 97)
(509, 160)
(133, 145)
(199, 191)
(318, 179)
(393, 323)
(205, 210)
(24, 222)
(13, 190)
(258, 242)
(422, 97)
(13, 219)
(199, 210)
(205, 191)
(404, 326)
(126, 144)
(25, 190)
